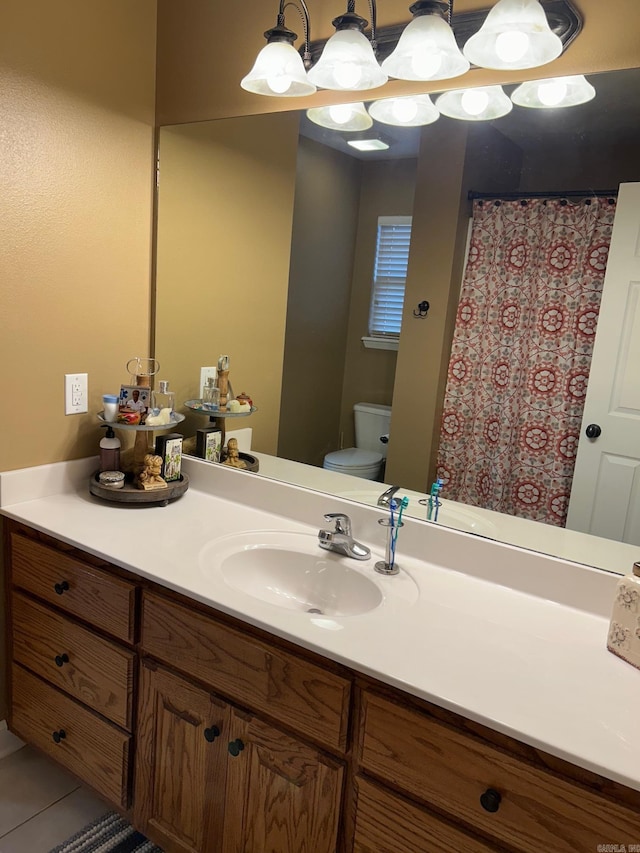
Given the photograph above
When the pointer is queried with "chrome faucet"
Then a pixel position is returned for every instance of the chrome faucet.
(385, 497)
(340, 539)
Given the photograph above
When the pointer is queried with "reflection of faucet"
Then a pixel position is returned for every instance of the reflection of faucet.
(385, 497)
(340, 539)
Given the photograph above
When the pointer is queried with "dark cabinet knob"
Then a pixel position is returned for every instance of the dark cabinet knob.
(61, 587)
(211, 733)
(490, 800)
(236, 746)
(61, 659)
(59, 735)
(593, 431)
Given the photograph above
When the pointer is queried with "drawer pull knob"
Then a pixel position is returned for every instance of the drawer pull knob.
(61, 659)
(211, 733)
(236, 746)
(61, 587)
(490, 800)
(59, 735)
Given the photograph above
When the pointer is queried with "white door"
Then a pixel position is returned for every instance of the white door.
(605, 495)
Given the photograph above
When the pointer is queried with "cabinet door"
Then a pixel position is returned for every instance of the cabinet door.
(181, 760)
(283, 796)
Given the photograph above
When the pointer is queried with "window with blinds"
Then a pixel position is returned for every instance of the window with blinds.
(389, 276)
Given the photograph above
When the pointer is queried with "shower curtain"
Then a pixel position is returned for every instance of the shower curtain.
(521, 354)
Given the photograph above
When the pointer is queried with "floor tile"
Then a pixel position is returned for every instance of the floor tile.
(29, 783)
(55, 824)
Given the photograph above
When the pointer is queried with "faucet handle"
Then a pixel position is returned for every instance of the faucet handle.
(342, 521)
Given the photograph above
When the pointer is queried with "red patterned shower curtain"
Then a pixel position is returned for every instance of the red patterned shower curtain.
(521, 354)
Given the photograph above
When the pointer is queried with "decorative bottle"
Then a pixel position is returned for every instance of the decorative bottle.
(624, 631)
(162, 398)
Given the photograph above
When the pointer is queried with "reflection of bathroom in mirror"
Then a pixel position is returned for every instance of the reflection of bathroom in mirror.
(265, 248)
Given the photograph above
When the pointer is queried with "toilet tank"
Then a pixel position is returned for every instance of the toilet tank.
(371, 421)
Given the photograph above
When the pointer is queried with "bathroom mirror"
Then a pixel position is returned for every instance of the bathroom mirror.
(265, 246)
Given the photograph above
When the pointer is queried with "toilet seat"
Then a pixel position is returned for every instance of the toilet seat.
(354, 461)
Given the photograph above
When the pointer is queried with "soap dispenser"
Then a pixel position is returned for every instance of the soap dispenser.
(624, 631)
(110, 451)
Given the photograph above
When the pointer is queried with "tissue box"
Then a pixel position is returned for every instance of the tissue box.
(209, 443)
(624, 631)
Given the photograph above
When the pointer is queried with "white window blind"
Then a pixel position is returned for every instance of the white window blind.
(389, 275)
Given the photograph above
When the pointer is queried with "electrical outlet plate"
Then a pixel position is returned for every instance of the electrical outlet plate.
(75, 393)
(205, 373)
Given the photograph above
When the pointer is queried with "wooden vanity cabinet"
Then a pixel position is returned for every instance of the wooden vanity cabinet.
(72, 682)
(249, 784)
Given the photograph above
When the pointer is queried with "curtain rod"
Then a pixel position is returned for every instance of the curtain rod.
(552, 194)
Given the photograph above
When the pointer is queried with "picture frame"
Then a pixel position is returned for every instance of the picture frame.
(209, 444)
(134, 400)
(169, 448)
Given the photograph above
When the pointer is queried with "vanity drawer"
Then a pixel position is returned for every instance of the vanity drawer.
(90, 668)
(291, 690)
(94, 595)
(387, 823)
(538, 811)
(91, 748)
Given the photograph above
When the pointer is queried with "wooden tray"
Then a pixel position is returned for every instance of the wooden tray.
(130, 494)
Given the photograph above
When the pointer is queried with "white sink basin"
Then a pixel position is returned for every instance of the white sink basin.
(291, 571)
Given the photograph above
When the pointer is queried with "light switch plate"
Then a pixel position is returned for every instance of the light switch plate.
(205, 373)
(76, 393)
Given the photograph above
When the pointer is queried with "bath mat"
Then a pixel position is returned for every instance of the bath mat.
(109, 834)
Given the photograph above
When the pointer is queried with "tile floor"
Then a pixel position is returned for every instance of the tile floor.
(40, 804)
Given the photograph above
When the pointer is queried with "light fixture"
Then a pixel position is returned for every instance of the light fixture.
(348, 61)
(279, 69)
(409, 111)
(368, 144)
(554, 93)
(481, 104)
(515, 34)
(347, 117)
(427, 48)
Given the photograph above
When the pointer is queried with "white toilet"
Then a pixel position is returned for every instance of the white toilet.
(365, 459)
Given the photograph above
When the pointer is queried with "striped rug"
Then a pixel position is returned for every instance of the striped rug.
(109, 834)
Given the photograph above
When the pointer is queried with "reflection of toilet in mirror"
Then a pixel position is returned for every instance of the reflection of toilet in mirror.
(365, 459)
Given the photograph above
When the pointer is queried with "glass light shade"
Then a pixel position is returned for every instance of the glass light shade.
(554, 93)
(347, 63)
(278, 71)
(341, 117)
(480, 104)
(515, 34)
(426, 50)
(409, 111)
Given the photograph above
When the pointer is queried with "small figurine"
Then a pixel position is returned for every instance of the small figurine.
(233, 455)
(150, 476)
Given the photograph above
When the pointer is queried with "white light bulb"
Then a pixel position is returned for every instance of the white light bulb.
(340, 113)
(474, 102)
(405, 110)
(552, 92)
(512, 46)
(279, 83)
(347, 75)
(427, 62)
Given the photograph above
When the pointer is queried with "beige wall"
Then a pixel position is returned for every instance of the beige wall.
(205, 48)
(76, 100)
(324, 228)
(224, 236)
(77, 84)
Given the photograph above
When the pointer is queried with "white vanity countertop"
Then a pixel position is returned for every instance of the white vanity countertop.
(511, 639)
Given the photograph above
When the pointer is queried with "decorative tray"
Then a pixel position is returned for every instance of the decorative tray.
(175, 420)
(204, 409)
(130, 494)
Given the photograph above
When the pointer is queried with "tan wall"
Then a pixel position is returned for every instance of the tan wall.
(77, 107)
(75, 213)
(369, 374)
(224, 236)
(322, 248)
(205, 48)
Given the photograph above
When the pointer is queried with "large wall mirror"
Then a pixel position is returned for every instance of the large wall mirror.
(265, 245)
